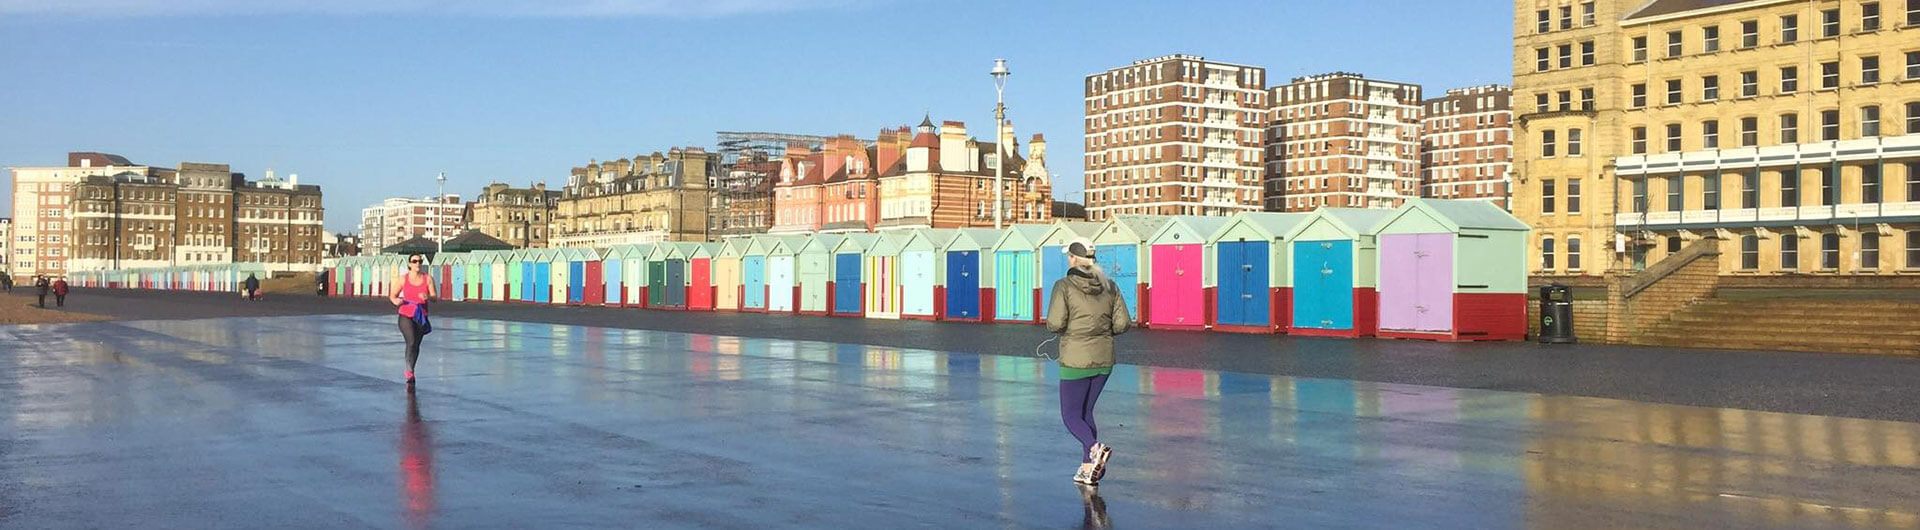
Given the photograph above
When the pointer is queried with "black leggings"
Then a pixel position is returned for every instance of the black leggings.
(411, 331)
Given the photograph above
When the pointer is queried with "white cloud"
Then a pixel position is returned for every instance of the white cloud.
(538, 8)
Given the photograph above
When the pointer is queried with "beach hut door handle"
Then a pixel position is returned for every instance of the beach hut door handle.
(1328, 246)
(1179, 272)
(1325, 270)
(1420, 308)
(1246, 267)
(1246, 297)
(1326, 322)
(1419, 253)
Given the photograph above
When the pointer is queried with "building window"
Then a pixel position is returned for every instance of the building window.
(1710, 39)
(1546, 21)
(1546, 253)
(1913, 64)
(1639, 49)
(1870, 121)
(1546, 196)
(1749, 84)
(1789, 128)
(1639, 140)
(1546, 143)
(1710, 192)
(1869, 69)
(1674, 97)
(1674, 244)
(1586, 53)
(1640, 196)
(1710, 87)
(1566, 56)
(1573, 142)
(1789, 251)
(1673, 137)
(1566, 100)
(1586, 98)
(1639, 95)
(1870, 184)
(1830, 74)
(1566, 17)
(1573, 253)
(1789, 28)
(1573, 196)
(1675, 43)
(1540, 102)
(1749, 33)
(1913, 12)
(1789, 79)
(1543, 60)
(1913, 181)
(1676, 193)
(1828, 191)
(1750, 189)
(1913, 247)
(1870, 16)
(1830, 125)
(1749, 252)
(1749, 131)
(1789, 189)
(1830, 251)
(1710, 134)
(1830, 23)
(1586, 14)
(1869, 250)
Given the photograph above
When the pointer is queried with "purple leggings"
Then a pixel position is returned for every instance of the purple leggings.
(1077, 397)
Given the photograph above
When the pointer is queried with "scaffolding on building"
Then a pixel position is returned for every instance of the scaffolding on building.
(743, 187)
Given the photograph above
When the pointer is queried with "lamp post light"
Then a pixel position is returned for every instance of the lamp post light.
(1000, 74)
(439, 216)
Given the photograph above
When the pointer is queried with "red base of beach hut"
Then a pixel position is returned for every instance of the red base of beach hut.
(1478, 317)
(1279, 313)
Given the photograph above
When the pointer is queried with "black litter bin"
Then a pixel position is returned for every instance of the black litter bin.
(1556, 314)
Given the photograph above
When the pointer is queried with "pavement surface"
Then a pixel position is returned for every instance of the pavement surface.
(302, 421)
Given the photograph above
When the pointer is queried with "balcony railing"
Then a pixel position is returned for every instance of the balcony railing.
(1788, 215)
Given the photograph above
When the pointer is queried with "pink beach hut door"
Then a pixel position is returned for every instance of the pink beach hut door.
(1176, 293)
(1416, 282)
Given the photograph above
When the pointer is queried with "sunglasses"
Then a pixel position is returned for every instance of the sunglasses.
(414, 261)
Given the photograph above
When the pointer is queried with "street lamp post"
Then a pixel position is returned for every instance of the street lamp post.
(439, 216)
(1000, 147)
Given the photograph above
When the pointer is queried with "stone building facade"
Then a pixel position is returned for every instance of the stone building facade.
(650, 199)
(518, 216)
(199, 214)
(42, 226)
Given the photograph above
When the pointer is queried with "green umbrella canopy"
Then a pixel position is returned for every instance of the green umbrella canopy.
(417, 245)
(474, 240)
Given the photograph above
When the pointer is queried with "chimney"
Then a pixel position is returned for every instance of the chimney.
(1006, 137)
(1037, 147)
(293, 180)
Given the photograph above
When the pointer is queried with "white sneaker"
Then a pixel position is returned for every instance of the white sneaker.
(1084, 475)
(1100, 454)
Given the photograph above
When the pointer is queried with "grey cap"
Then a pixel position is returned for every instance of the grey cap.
(1080, 248)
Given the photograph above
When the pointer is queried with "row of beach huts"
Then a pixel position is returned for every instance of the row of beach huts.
(1433, 269)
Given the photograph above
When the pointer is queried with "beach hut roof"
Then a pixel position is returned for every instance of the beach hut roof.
(1022, 236)
(1063, 232)
(1457, 214)
(859, 242)
(822, 242)
(1354, 222)
(890, 243)
(1272, 225)
(1137, 227)
(1204, 226)
(980, 237)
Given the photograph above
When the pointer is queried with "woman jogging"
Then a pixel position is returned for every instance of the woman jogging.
(1087, 311)
(411, 292)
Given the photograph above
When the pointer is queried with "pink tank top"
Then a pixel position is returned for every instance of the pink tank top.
(412, 294)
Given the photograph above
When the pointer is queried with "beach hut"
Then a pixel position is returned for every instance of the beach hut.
(1452, 270)
(1053, 254)
(753, 273)
(969, 281)
(728, 282)
(783, 282)
(1252, 287)
(1121, 248)
(667, 276)
(848, 286)
(615, 265)
(923, 280)
(1016, 274)
(1333, 272)
(882, 275)
(700, 284)
(585, 286)
(813, 272)
(1177, 291)
(453, 275)
(478, 274)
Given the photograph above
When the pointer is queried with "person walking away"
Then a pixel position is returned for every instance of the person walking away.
(320, 284)
(1086, 310)
(6, 281)
(411, 292)
(40, 284)
(253, 287)
(60, 291)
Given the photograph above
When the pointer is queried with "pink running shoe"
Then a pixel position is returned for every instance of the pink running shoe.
(409, 377)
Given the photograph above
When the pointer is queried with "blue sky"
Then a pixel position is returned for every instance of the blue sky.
(371, 98)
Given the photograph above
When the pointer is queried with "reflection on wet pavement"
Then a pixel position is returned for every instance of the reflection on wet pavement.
(291, 421)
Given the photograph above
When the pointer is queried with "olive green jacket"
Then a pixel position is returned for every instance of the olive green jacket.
(1087, 311)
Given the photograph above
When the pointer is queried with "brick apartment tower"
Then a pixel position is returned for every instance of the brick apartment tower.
(1174, 135)
(1466, 145)
(1342, 140)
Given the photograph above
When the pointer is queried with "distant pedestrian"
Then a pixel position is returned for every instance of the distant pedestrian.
(1087, 311)
(40, 284)
(253, 287)
(59, 292)
(320, 284)
(6, 281)
(411, 292)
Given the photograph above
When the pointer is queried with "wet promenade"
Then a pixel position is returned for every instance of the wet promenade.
(302, 421)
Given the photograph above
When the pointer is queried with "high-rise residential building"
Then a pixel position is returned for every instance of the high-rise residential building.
(42, 224)
(400, 218)
(1466, 145)
(199, 214)
(1342, 140)
(1175, 135)
(518, 216)
(646, 199)
(6, 244)
(1788, 130)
